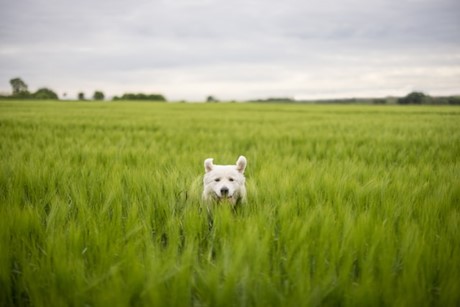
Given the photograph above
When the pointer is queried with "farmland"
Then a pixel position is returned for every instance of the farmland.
(347, 205)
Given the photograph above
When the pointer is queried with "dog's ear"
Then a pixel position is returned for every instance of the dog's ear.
(208, 166)
(241, 164)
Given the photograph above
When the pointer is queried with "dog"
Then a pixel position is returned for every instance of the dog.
(225, 183)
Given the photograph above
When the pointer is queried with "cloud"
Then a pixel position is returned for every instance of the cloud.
(238, 49)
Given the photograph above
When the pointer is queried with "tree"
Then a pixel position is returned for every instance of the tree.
(45, 93)
(141, 96)
(19, 87)
(81, 96)
(454, 100)
(415, 98)
(379, 101)
(212, 99)
(98, 95)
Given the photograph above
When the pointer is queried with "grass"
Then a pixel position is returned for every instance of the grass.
(347, 205)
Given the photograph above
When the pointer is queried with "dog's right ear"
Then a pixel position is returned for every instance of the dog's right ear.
(208, 166)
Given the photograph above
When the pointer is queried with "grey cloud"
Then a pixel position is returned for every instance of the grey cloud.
(232, 46)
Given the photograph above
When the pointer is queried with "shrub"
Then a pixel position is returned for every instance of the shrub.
(45, 93)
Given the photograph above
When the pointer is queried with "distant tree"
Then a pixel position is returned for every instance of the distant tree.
(45, 93)
(22, 95)
(440, 100)
(275, 99)
(98, 95)
(415, 98)
(454, 100)
(379, 101)
(211, 99)
(19, 86)
(279, 99)
(81, 96)
(141, 96)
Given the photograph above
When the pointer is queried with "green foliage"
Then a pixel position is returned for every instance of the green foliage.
(379, 101)
(420, 98)
(22, 95)
(211, 99)
(81, 96)
(454, 100)
(20, 91)
(415, 98)
(347, 205)
(98, 95)
(19, 87)
(276, 99)
(45, 93)
(140, 96)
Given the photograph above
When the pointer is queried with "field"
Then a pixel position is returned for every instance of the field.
(347, 205)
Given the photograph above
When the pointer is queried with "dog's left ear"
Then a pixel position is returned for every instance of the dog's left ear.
(241, 164)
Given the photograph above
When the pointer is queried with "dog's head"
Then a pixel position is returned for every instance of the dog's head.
(224, 181)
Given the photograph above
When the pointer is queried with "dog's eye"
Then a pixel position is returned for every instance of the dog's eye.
(217, 179)
(230, 179)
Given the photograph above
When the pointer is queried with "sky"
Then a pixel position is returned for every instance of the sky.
(232, 50)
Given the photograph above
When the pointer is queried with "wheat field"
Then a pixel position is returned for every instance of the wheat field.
(354, 205)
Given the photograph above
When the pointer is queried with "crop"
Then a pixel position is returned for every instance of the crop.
(347, 205)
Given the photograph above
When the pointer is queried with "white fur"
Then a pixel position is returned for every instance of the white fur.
(225, 182)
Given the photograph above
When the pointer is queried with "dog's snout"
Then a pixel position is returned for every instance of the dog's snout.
(224, 191)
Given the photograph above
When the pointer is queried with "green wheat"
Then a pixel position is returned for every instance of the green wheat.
(347, 205)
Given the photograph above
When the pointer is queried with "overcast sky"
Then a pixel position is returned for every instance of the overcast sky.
(232, 49)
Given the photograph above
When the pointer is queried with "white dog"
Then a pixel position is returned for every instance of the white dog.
(225, 182)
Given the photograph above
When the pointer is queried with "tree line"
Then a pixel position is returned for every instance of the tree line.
(20, 91)
(140, 96)
(421, 98)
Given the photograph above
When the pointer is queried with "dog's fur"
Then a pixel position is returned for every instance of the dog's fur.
(225, 182)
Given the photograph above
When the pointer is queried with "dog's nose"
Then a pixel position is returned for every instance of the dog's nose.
(224, 191)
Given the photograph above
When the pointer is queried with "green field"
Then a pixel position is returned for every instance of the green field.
(347, 205)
